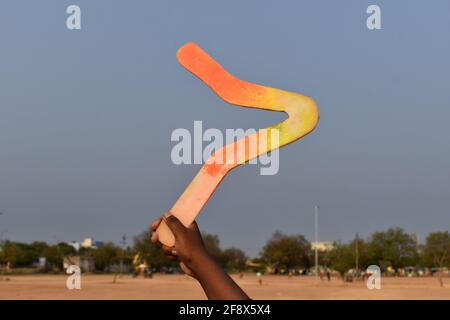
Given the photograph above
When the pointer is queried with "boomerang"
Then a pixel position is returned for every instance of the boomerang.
(301, 110)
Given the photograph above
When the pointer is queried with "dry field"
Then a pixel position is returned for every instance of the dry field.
(182, 287)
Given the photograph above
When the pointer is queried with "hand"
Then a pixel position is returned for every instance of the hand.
(188, 250)
(195, 261)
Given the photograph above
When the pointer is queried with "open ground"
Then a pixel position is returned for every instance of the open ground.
(182, 287)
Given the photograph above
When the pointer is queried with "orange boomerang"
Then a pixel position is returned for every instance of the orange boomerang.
(302, 112)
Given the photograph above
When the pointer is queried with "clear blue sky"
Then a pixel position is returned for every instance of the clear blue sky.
(86, 116)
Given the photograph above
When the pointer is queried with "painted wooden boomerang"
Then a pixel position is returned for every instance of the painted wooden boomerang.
(302, 112)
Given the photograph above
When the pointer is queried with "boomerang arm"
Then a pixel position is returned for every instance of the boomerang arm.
(302, 111)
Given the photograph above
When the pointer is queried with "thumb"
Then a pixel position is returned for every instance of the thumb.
(174, 224)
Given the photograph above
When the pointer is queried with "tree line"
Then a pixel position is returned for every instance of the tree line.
(391, 249)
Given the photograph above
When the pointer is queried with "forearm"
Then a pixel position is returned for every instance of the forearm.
(216, 283)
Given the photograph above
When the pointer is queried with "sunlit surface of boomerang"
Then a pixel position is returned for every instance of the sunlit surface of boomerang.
(302, 112)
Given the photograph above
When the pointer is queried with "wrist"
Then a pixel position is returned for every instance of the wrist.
(199, 259)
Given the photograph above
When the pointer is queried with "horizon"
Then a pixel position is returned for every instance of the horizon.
(130, 239)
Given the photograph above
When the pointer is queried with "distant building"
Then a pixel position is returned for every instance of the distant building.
(97, 244)
(90, 243)
(323, 246)
(87, 243)
(41, 263)
(75, 245)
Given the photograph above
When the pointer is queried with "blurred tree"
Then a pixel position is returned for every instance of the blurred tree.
(394, 248)
(19, 254)
(151, 252)
(234, 259)
(65, 249)
(437, 252)
(55, 254)
(287, 252)
(106, 255)
(342, 258)
(212, 245)
(38, 247)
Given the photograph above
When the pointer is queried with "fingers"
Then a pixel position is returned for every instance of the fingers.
(174, 224)
(170, 253)
(172, 258)
(168, 250)
(154, 237)
(155, 224)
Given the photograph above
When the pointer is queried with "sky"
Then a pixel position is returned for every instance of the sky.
(86, 117)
